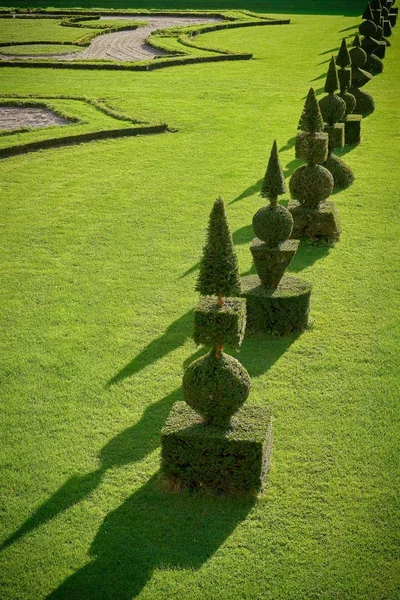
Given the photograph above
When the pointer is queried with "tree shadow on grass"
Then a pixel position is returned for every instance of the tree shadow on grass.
(351, 28)
(153, 530)
(289, 144)
(322, 76)
(292, 166)
(175, 335)
(248, 191)
(259, 353)
(129, 446)
(329, 51)
(307, 254)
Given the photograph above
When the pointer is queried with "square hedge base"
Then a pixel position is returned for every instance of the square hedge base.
(232, 460)
(279, 311)
(352, 130)
(316, 223)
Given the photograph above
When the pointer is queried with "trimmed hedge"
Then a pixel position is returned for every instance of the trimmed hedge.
(219, 325)
(71, 140)
(235, 19)
(315, 223)
(312, 148)
(342, 175)
(216, 387)
(273, 224)
(271, 263)
(204, 456)
(311, 184)
(278, 311)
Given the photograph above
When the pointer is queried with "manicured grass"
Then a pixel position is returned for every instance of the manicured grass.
(99, 250)
(40, 49)
(36, 30)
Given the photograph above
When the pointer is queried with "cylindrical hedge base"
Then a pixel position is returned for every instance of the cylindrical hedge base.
(279, 311)
(320, 223)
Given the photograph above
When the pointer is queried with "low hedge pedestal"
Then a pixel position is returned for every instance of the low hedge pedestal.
(235, 459)
(316, 223)
(281, 310)
(352, 130)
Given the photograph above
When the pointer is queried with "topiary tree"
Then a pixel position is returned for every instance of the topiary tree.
(333, 109)
(311, 119)
(219, 270)
(272, 225)
(365, 104)
(276, 303)
(343, 61)
(368, 29)
(311, 184)
(274, 180)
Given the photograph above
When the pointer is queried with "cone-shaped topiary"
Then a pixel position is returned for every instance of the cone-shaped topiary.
(274, 180)
(368, 14)
(311, 119)
(343, 59)
(219, 270)
(332, 81)
(216, 387)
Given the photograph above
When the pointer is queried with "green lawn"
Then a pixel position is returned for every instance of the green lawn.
(100, 243)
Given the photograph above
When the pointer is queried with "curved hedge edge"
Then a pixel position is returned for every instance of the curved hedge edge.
(99, 105)
(155, 64)
(72, 140)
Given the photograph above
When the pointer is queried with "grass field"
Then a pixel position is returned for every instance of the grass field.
(99, 247)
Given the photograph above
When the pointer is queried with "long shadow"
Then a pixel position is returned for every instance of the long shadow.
(319, 77)
(292, 166)
(153, 530)
(174, 336)
(244, 235)
(329, 51)
(190, 270)
(351, 28)
(289, 144)
(248, 191)
(129, 446)
(307, 254)
(259, 353)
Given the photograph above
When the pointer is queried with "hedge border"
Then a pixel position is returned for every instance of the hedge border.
(232, 19)
(70, 140)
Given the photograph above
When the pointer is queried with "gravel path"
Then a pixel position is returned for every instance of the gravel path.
(14, 117)
(125, 45)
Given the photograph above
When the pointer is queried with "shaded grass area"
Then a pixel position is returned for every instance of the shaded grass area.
(97, 320)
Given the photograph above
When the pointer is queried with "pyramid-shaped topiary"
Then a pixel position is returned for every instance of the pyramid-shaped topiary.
(219, 270)
(274, 180)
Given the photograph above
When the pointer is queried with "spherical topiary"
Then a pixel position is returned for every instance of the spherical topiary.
(349, 100)
(358, 57)
(342, 175)
(311, 184)
(367, 28)
(216, 387)
(365, 104)
(273, 224)
(332, 108)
